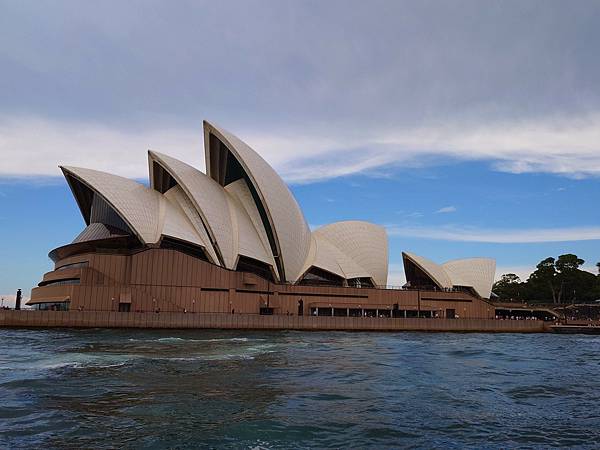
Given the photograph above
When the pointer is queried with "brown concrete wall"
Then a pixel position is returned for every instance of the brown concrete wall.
(254, 321)
(173, 282)
(62, 274)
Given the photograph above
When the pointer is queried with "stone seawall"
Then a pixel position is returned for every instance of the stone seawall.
(91, 319)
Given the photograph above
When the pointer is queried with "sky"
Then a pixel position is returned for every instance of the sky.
(466, 128)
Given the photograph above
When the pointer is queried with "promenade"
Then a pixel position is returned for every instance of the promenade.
(175, 320)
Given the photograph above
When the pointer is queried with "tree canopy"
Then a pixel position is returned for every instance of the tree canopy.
(555, 281)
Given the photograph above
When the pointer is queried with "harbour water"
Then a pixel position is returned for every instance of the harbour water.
(101, 388)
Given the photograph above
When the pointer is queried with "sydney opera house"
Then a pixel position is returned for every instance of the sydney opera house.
(234, 240)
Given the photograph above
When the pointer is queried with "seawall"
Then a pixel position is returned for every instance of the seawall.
(92, 319)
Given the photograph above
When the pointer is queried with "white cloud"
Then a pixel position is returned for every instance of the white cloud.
(501, 236)
(396, 276)
(567, 147)
(446, 209)
(34, 147)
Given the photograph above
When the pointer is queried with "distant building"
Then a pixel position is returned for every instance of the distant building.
(235, 240)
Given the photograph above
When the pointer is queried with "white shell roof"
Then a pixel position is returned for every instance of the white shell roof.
(227, 222)
(249, 224)
(325, 256)
(434, 270)
(177, 225)
(209, 199)
(478, 273)
(364, 245)
(179, 199)
(291, 231)
(248, 242)
(137, 205)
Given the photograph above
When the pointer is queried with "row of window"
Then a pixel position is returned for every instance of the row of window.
(52, 306)
(319, 277)
(368, 312)
(62, 282)
(73, 265)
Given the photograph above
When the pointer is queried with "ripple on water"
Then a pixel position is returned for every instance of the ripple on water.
(177, 389)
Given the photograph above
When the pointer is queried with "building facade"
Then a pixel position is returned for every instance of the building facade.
(235, 240)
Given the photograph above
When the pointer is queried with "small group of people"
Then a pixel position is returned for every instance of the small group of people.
(513, 317)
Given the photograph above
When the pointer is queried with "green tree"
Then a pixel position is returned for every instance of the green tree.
(572, 281)
(543, 281)
(596, 290)
(568, 263)
(561, 279)
(508, 287)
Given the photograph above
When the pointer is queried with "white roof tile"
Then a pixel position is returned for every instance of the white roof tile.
(287, 221)
(477, 273)
(364, 246)
(137, 205)
(176, 227)
(210, 201)
(434, 270)
(250, 226)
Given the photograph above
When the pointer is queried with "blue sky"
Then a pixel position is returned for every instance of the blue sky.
(466, 128)
(43, 215)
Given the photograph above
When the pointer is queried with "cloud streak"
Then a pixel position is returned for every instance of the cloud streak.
(570, 147)
(446, 209)
(566, 147)
(498, 236)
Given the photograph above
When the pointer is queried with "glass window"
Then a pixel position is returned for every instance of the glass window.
(73, 265)
(52, 306)
(60, 282)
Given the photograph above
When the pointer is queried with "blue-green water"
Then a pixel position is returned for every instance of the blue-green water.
(101, 388)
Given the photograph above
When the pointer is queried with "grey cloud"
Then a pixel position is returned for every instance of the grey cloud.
(320, 89)
(339, 65)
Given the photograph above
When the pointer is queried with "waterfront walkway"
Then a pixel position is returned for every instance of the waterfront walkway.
(103, 319)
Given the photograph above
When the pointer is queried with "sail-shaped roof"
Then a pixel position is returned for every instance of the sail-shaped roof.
(137, 205)
(180, 207)
(248, 241)
(288, 232)
(209, 199)
(325, 256)
(475, 273)
(436, 272)
(250, 224)
(242, 208)
(364, 246)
